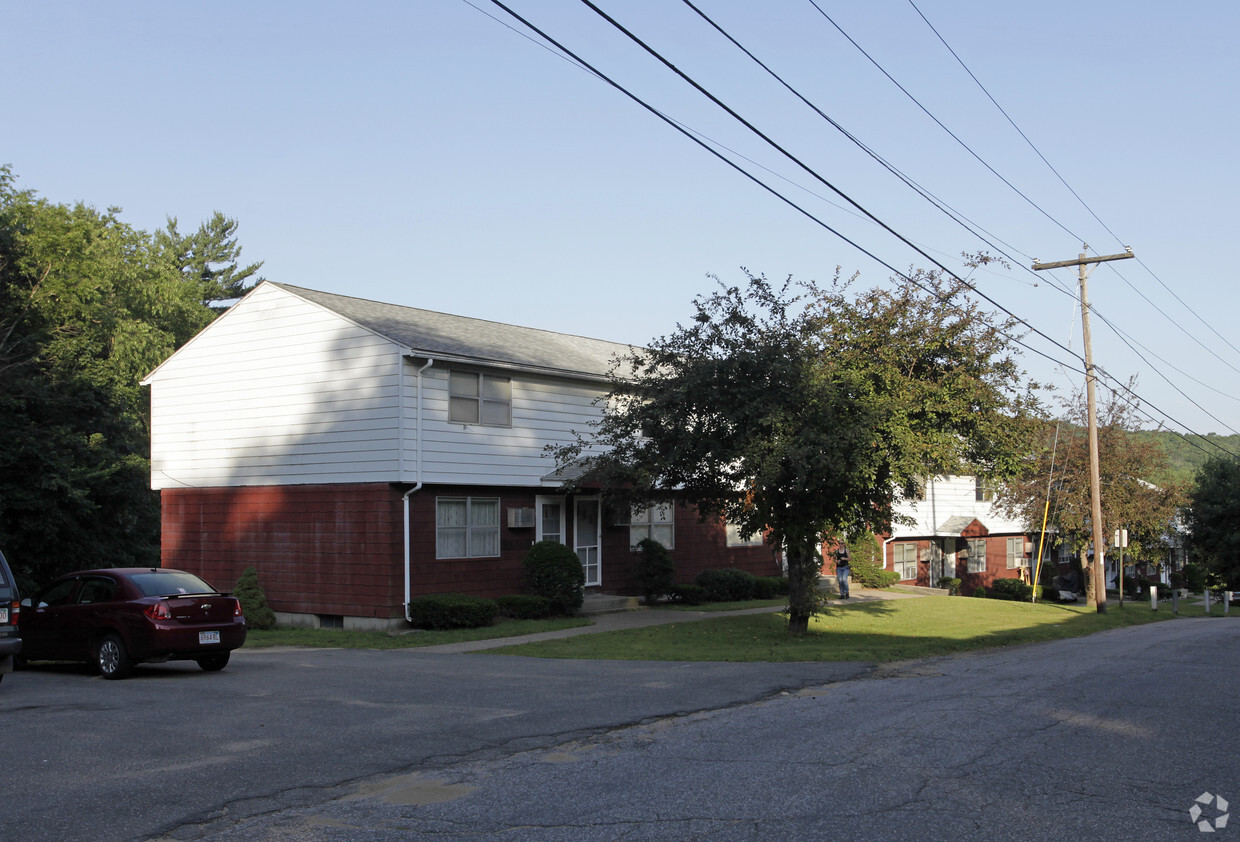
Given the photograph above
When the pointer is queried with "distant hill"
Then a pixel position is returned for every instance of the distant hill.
(1185, 454)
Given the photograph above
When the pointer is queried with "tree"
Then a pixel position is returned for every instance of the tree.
(88, 306)
(208, 258)
(804, 412)
(1138, 491)
(1213, 518)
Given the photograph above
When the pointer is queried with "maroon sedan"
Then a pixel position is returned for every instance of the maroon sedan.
(117, 617)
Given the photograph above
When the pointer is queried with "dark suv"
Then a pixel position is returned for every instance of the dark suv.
(10, 640)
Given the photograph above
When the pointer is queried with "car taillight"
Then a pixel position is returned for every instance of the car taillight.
(158, 611)
(237, 608)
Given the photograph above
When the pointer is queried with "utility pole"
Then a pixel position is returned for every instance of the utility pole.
(1095, 484)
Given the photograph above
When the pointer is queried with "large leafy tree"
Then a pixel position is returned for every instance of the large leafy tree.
(1139, 493)
(805, 412)
(88, 306)
(1213, 518)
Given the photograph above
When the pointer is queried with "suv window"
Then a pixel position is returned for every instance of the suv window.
(6, 586)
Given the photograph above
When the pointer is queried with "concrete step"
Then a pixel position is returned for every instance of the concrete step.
(601, 603)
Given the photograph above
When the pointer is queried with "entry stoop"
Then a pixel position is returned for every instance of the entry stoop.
(601, 603)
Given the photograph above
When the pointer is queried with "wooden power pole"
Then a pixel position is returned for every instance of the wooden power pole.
(1095, 483)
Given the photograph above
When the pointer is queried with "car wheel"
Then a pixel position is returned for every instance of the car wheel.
(111, 658)
(214, 662)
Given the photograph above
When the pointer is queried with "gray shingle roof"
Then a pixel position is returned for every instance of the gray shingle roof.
(462, 338)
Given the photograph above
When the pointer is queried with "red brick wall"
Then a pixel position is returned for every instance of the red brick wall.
(318, 549)
(337, 549)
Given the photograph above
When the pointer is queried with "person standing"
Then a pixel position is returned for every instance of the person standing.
(842, 569)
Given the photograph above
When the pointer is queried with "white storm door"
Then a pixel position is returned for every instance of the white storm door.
(549, 519)
(588, 537)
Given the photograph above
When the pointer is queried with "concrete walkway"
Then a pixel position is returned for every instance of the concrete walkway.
(644, 617)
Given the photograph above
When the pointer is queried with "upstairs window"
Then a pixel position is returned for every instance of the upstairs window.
(982, 491)
(479, 399)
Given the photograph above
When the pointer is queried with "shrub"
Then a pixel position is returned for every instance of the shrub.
(952, 586)
(1050, 594)
(1194, 577)
(451, 611)
(1131, 586)
(525, 606)
(866, 568)
(258, 614)
(1013, 589)
(728, 584)
(552, 570)
(769, 587)
(1177, 580)
(655, 569)
(980, 592)
(688, 594)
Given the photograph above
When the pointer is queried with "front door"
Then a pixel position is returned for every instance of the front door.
(588, 538)
(549, 517)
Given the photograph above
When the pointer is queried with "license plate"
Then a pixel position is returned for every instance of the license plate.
(208, 637)
(4, 616)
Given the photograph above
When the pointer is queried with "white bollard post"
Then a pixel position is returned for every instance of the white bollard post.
(1206, 594)
(1226, 603)
(1154, 598)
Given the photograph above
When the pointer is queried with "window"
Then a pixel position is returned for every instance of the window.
(982, 491)
(655, 522)
(977, 555)
(905, 560)
(466, 527)
(1016, 553)
(479, 399)
(735, 539)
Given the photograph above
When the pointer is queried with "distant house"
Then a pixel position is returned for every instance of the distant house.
(359, 453)
(958, 534)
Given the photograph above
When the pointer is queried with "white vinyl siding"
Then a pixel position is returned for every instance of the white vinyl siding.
(466, 527)
(277, 391)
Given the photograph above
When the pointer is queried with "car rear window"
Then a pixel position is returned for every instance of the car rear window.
(6, 587)
(169, 584)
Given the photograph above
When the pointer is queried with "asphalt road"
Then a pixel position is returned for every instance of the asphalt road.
(1108, 737)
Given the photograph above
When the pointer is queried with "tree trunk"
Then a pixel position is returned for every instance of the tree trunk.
(804, 567)
(1087, 573)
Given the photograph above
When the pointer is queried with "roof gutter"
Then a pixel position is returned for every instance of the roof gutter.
(417, 486)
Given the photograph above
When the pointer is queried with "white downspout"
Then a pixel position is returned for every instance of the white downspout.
(417, 485)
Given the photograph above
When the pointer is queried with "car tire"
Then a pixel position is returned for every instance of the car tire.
(111, 658)
(214, 662)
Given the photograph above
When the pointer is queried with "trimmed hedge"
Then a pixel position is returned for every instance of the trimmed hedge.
(1013, 589)
(553, 571)
(951, 585)
(769, 587)
(525, 606)
(688, 594)
(452, 611)
(249, 593)
(728, 584)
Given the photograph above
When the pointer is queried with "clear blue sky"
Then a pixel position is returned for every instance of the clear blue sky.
(423, 153)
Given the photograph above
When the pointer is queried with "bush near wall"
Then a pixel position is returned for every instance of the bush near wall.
(525, 606)
(258, 614)
(553, 571)
(769, 587)
(1014, 589)
(451, 611)
(728, 584)
(951, 585)
(656, 572)
(688, 594)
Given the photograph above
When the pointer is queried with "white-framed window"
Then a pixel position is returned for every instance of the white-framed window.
(977, 555)
(982, 491)
(466, 527)
(1016, 553)
(734, 538)
(654, 522)
(479, 399)
(905, 557)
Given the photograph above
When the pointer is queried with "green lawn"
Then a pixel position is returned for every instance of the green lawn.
(341, 639)
(870, 631)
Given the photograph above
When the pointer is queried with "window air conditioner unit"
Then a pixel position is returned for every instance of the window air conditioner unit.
(520, 518)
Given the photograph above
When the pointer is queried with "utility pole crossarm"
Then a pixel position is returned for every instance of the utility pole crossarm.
(1082, 260)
